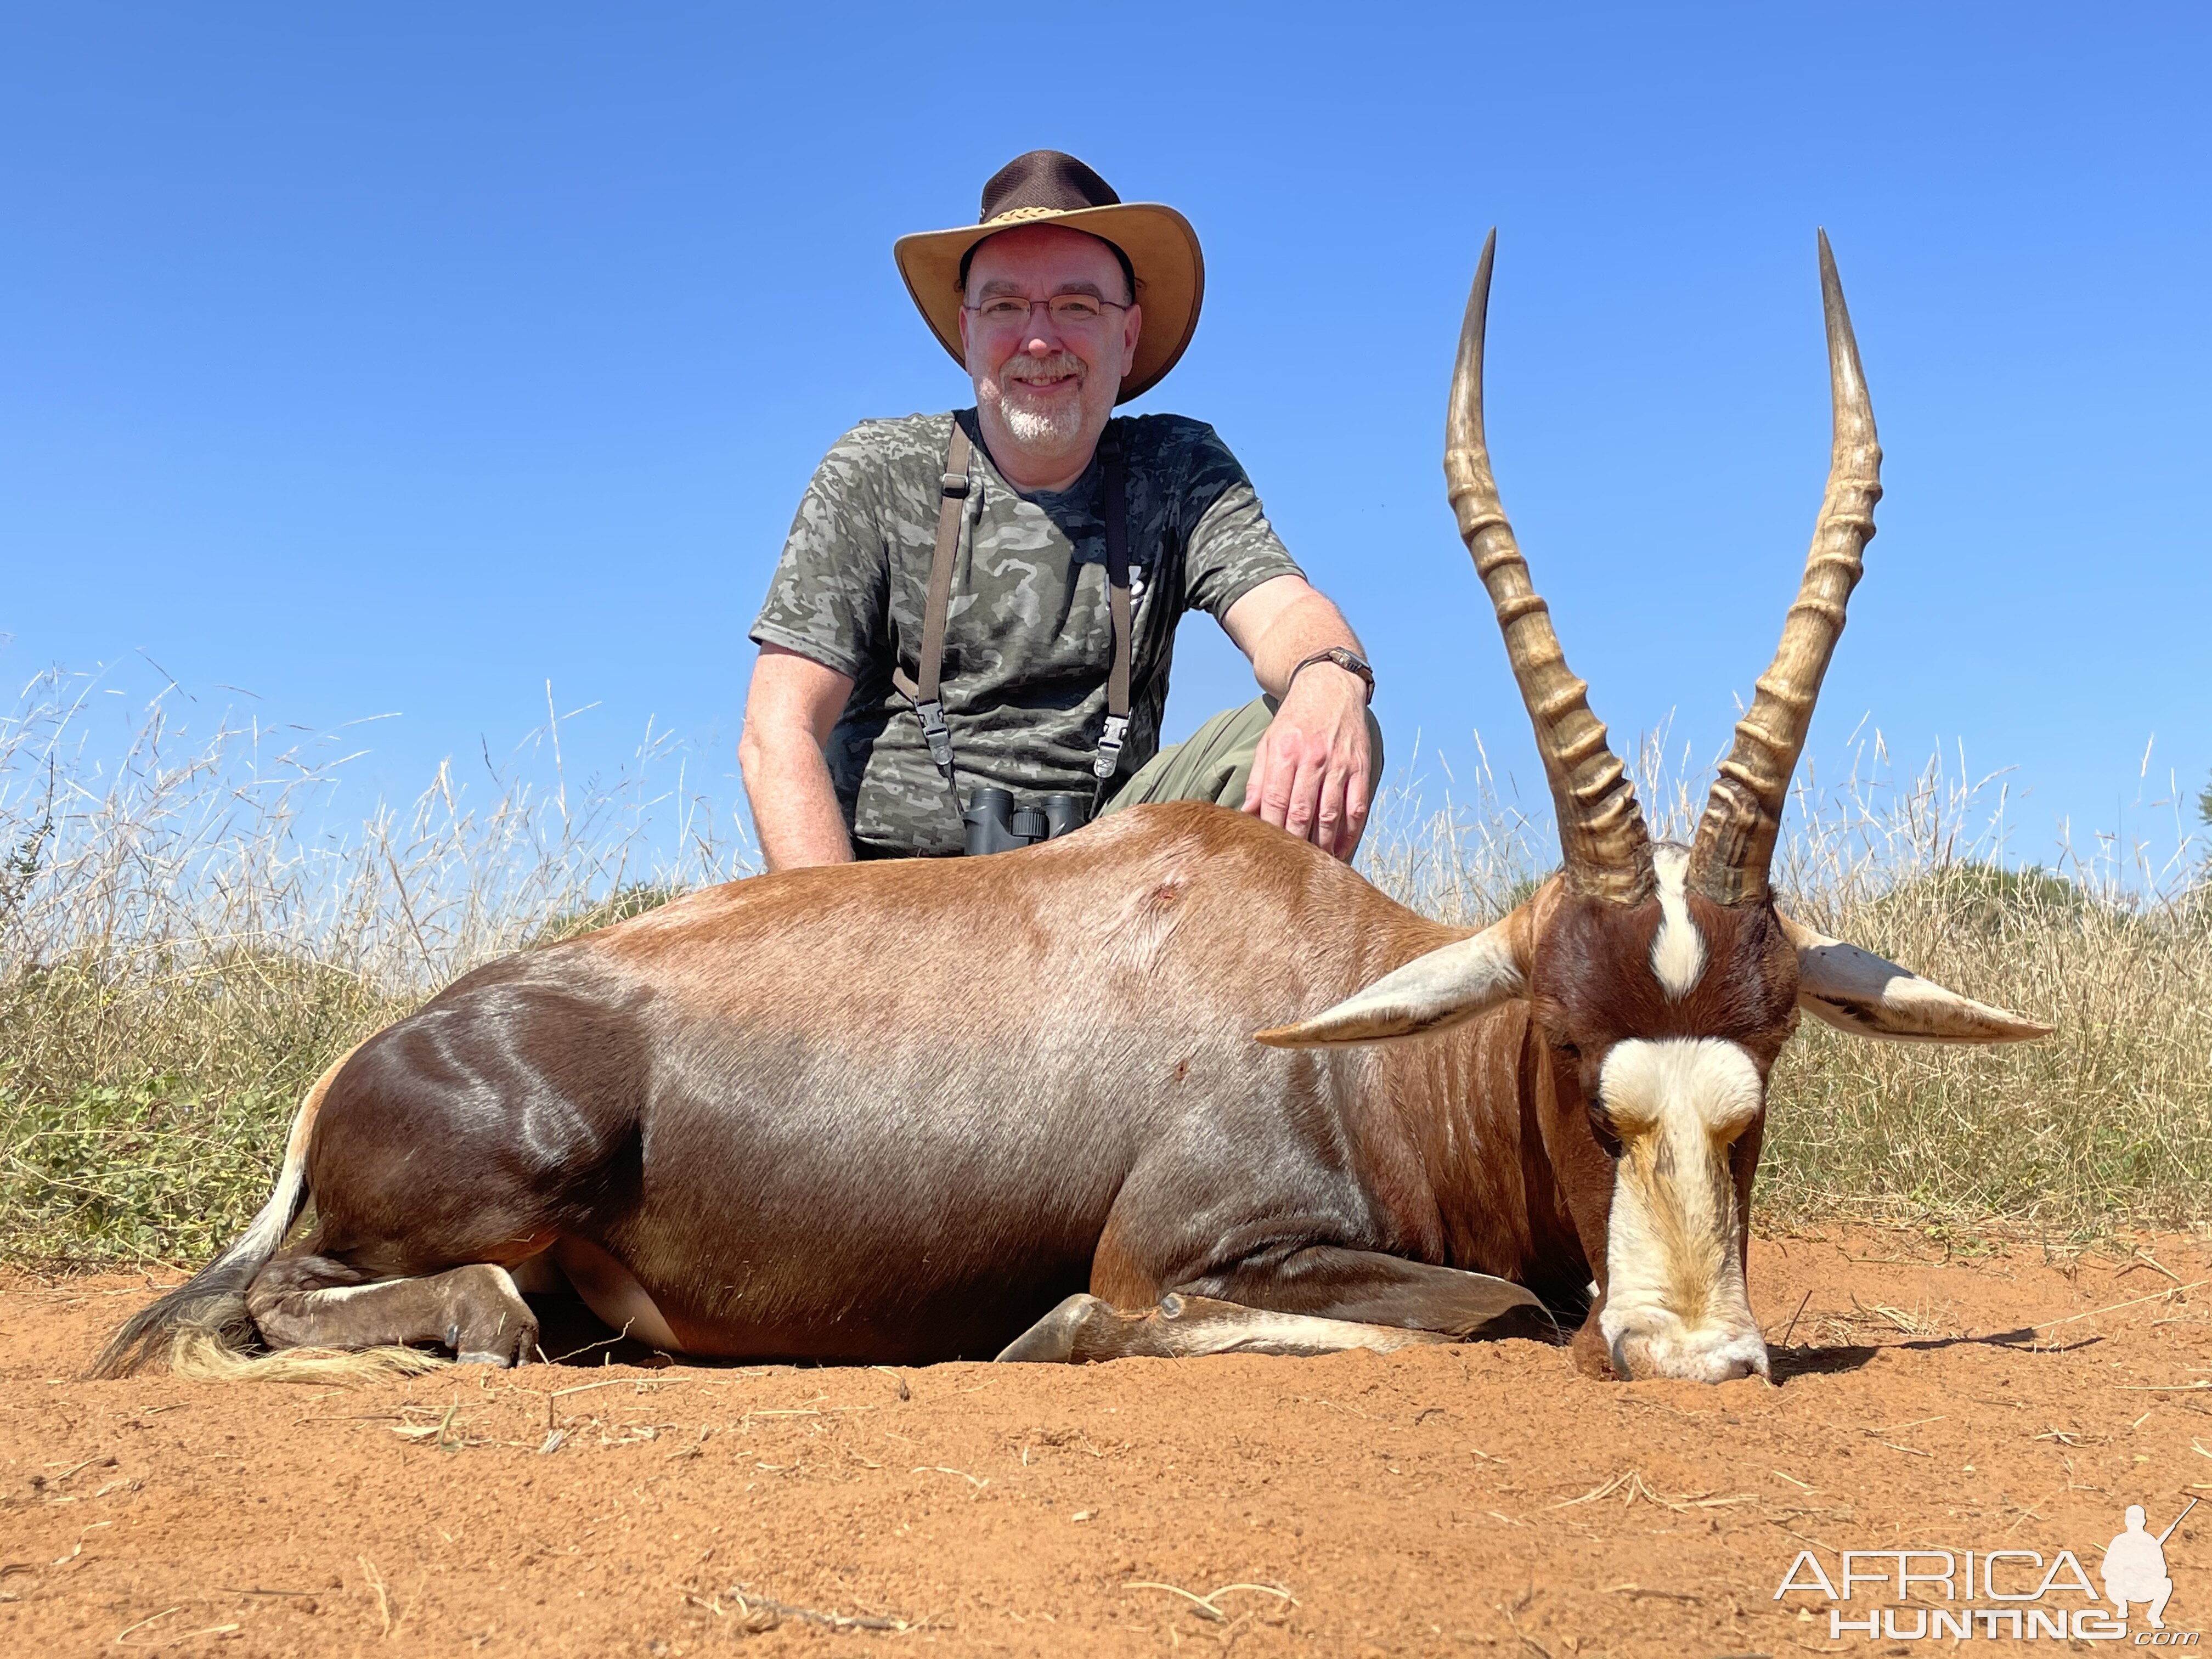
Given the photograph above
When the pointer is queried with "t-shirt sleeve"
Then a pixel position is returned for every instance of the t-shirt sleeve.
(1232, 547)
(828, 600)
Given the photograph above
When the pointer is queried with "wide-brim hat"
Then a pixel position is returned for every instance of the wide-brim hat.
(1045, 187)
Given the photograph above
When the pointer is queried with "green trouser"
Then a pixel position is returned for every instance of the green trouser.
(1215, 762)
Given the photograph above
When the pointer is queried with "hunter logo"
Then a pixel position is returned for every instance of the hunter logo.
(2135, 1567)
(2016, 1594)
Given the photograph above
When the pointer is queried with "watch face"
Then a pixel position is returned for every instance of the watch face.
(1351, 662)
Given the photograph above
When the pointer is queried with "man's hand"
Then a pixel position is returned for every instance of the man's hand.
(1310, 774)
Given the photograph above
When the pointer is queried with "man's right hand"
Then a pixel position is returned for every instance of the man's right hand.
(1310, 772)
(790, 712)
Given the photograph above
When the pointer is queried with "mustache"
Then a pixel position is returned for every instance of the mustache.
(1024, 368)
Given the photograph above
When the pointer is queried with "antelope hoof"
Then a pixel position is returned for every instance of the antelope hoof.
(1051, 1340)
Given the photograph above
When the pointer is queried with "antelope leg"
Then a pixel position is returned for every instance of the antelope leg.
(475, 1310)
(1368, 1287)
(1087, 1327)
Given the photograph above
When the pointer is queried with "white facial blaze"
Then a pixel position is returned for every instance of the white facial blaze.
(1675, 1303)
(1678, 951)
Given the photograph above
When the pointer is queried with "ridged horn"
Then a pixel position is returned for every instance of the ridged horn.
(1601, 835)
(1734, 847)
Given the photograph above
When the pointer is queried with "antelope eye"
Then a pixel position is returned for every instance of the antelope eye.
(1566, 1050)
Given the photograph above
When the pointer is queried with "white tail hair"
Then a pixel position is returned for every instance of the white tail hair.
(202, 1328)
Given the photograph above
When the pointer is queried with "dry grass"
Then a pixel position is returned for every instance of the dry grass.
(183, 945)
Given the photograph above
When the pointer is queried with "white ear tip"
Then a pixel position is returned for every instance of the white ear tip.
(1926, 1013)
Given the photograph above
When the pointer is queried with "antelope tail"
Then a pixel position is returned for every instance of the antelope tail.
(202, 1327)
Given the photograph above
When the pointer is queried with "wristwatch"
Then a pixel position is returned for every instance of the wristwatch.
(1350, 661)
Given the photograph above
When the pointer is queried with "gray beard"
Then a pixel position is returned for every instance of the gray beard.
(1042, 428)
(1051, 427)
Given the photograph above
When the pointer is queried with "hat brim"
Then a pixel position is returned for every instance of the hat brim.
(1163, 250)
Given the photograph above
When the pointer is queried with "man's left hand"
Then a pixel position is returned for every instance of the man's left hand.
(1310, 773)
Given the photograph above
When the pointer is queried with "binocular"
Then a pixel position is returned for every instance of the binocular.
(995, 824)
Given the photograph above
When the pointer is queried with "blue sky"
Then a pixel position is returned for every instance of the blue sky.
(401, 358)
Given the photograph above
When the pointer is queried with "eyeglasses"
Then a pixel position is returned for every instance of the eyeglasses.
(1069, 311)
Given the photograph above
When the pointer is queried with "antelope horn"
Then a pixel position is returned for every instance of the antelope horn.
(1743, 815)
(1602, 832)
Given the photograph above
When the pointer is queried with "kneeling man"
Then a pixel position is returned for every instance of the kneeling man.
(988, 598)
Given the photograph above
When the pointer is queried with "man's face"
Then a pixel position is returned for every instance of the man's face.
(1050, 383)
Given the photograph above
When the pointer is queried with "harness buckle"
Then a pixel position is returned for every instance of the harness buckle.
(1110, 747)
(939, 736)
(955, 484)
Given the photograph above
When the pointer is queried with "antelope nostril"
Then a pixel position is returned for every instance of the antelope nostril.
(1621, 1368)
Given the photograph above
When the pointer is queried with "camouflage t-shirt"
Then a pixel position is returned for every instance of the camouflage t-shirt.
(1029, 636)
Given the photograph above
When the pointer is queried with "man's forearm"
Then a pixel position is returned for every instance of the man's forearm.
(1309, 625)
(794, 804)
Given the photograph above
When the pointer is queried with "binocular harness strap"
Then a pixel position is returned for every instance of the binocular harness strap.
(952, 503)
(1102, 764)
(923, 692)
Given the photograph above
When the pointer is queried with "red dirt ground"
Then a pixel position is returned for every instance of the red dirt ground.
(1476, 1500)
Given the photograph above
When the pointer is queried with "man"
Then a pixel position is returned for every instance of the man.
(1065, 544)
(2134, 1567)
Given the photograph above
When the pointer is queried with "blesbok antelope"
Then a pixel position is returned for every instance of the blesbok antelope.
(915, 1111)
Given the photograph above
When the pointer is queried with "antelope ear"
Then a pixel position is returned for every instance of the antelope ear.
(1443, 987)
(1856, 991)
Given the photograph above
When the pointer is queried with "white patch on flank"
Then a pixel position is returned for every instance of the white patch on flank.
(1678, 953)
(611, 1291)
(1675, 1303)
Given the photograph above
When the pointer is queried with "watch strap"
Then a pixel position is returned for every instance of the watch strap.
(1350, 661)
